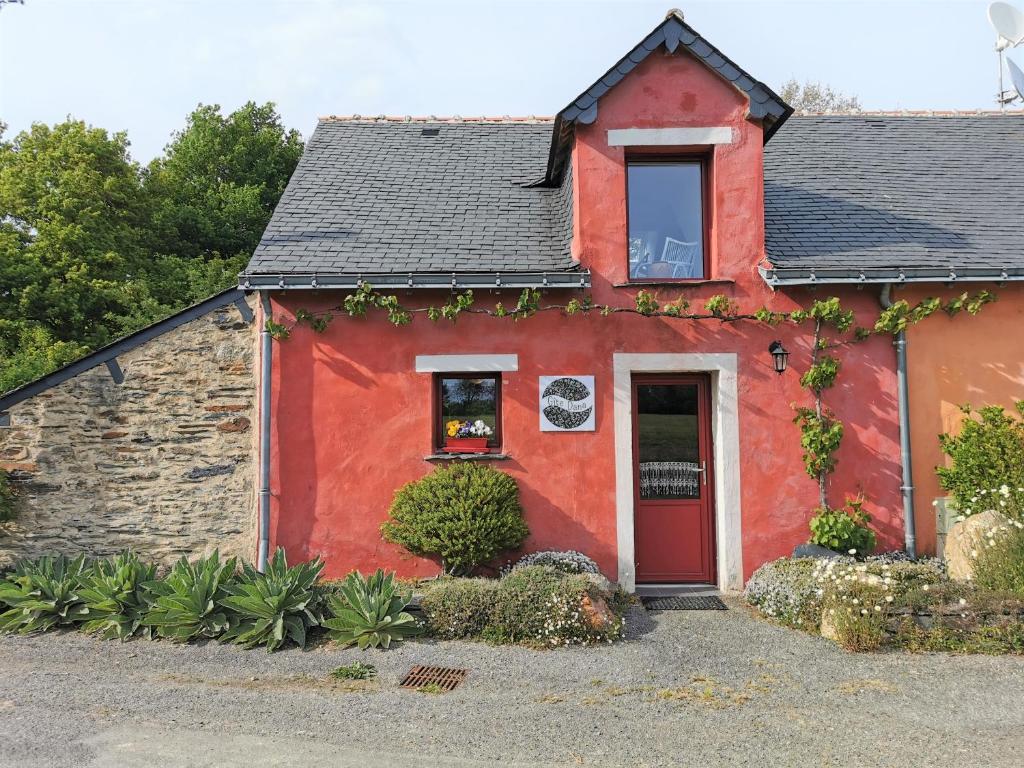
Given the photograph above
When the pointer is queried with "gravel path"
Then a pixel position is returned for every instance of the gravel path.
(687, 688)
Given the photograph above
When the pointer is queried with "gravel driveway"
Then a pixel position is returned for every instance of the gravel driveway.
(687, 688)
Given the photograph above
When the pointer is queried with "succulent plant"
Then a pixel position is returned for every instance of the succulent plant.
(369, 612)
(272, 607)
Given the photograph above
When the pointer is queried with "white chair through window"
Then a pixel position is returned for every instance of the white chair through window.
(684, 257)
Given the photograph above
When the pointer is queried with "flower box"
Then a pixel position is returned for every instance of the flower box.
(465, 445)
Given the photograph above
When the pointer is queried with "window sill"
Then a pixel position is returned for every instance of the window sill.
(468, 457)
(675, 283)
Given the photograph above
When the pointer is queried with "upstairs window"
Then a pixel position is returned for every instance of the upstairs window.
(467, 399)
(666, 219)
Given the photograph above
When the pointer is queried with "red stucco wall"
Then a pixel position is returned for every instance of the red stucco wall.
(352, 419)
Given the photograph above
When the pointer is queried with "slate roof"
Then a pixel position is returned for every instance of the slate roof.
(925, 194)
(857, 198)
(381, 196)
(763, 103)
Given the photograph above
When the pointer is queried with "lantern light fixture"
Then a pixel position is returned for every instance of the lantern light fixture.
(780, 356)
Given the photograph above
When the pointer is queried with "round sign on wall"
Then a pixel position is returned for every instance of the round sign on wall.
(567, 404)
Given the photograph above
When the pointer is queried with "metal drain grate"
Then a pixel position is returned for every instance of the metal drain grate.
(684, 603)
(445, 678)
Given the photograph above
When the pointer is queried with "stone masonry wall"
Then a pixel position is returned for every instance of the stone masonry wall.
(163, 463)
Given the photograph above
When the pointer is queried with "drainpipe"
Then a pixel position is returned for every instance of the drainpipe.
(266, 348)
(903, 399)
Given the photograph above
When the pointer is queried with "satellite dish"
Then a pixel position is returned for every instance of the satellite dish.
(1008, 23)
(1016, 77)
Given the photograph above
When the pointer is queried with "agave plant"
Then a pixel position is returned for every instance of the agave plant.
(43, 594)
(116, 595)
(269, 608)
(369, 612)
(187, 600)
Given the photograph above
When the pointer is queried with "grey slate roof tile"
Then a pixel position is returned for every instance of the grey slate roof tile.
(897, 191)
(379, 196)
(856, 191)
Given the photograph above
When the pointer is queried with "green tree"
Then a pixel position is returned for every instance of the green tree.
(816, 97)
(219, 180)
(93, 247)
(72, 208)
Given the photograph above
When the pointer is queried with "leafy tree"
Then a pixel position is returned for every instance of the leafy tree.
(219, 180)
(93, 246)
(71, 211)
(816, 97)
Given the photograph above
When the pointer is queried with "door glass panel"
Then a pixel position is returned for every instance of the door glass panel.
(669, 452)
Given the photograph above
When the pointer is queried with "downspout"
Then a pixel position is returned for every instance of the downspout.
(266, 349)
(903, 399)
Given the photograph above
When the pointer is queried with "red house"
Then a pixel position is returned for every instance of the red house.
(664, 449)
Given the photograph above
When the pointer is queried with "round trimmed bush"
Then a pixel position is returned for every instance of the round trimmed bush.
(464, 514)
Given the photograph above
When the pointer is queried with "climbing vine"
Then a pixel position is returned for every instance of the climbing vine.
(821, 431)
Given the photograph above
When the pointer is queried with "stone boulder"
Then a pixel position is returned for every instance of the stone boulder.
(600, 582)
(964, 539)
(597, 613)
(827, 627)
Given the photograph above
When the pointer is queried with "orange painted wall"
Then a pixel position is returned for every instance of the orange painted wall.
(951, 361)
(352, 419)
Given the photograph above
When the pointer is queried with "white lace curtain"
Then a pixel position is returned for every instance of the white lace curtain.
(669, 478)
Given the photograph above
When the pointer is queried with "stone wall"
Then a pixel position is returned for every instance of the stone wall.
(163, 463)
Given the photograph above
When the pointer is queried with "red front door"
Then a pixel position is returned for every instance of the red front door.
(674, 527)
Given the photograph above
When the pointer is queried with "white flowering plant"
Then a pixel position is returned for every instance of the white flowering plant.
(987, 452)
(795, 591)
(1004, 500)
(566, 562)
(534, 605)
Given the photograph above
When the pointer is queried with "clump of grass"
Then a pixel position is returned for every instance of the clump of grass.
(355, 671)
(432, 688)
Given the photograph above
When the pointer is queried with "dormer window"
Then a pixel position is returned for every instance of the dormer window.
(667, 236)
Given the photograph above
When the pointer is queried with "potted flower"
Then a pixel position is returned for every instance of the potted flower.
(466, 436)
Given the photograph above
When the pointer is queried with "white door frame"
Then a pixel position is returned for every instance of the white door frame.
(725, 437)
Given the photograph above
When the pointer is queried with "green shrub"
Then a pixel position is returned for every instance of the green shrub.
(988, 453)
(961, 637)
(7, 496)
(999, 564)
(43, 594)
(843, 530)
(459, 608)
(787, 590)
(187, 601)
(534, 605)
(464, 513)
(272, 607)
(116, 597)
(369, 612)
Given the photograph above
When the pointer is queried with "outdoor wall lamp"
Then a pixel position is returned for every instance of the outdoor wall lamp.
(780, 356)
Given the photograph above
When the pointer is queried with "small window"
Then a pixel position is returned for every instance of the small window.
(666, 220)
(468, 399)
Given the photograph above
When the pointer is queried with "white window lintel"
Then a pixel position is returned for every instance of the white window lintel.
(466, 363)
(670, 137)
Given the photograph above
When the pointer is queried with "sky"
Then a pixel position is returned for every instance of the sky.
(142, 65)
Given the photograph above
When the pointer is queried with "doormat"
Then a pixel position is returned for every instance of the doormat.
(684, 603)
(443, 678)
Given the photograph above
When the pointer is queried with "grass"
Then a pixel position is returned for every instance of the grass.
(430, 688)
(667, 437)
(355, 671)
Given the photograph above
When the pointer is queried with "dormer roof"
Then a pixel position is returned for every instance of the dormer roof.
(675, 35)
